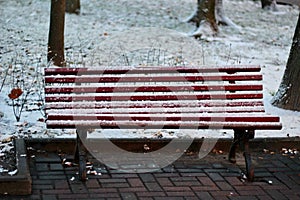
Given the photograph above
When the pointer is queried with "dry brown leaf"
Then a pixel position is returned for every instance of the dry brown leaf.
(15, 93)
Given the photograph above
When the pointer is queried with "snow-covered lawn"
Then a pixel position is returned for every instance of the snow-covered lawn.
(107, 29)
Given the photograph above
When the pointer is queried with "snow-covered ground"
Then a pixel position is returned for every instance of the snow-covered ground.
(107, 29)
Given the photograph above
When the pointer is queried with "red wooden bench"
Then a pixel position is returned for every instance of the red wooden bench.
(187, 97)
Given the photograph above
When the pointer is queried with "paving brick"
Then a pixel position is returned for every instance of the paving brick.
(57, 191)
(251, 197)
(49, 197)
(264, 197)
(42, 167)
(73, 196)
(180, 194)
(247, 187)
(186, 183)
(204, 195)
(215, 177)
(133, 189)
(130, 196)
(233, 181)
(61, 184)
(204, 188)
(212, 170)
(187, 170)
(191, 198)
(103, 190)
(184, 178)
(168, 175)
(275, 187)
(78, 188)
(206, 181)
(223, 194)
(52, 177)
(151, 194)
(153, 186)
(145, 198)
(56, 166)
(47, 158)
(296, 178)
(177, 189)
(147, 177)
(278, 169)
(135, 182)
(106, 195)
(290, 196)
(275, 194)
(278, 163)
(164, 182)
(223, 185)
(112, 180)
(285, 179)
(251, 192)
(92, 183)
(42, 187)
(51, 173)
(169, 198)
(193, 174)
(115, 185)
(122, 175)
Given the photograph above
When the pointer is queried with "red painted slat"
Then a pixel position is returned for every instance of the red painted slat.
(170, 125)
(73, 105)
(153, 97)
(68, 90)
(164, 118)
(118, 79)
(137, 111)
(153, 69)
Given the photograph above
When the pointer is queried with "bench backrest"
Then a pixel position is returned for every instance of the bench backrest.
(124, 97)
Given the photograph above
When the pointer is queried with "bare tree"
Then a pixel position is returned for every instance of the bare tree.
(288, 94)
(205, 16)
(56, 33)
(73, 6)
(209, 13)
(269, 5)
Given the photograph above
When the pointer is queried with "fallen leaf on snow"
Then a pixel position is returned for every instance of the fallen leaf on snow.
(15, 93)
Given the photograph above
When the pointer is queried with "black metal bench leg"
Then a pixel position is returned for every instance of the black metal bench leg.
(244, 145)
(80, 153)
(241, 138)
(231, 156)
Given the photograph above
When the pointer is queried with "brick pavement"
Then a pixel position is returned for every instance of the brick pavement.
(277, 177)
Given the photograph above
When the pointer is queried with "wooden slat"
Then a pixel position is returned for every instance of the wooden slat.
(255, 109)
(153, 97)
(118, 79)
(69, 90)
(153, 104)
(169, 125)
(153, 69)
(165, 117)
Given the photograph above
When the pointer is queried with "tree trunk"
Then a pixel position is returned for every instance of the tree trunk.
(288, 94)
(269, 5)
(221, 17)
(205, 16)
(56, 33)
(73, 6)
